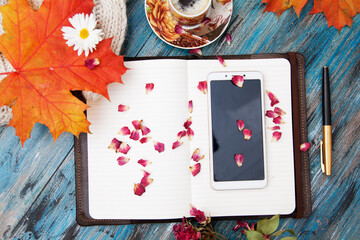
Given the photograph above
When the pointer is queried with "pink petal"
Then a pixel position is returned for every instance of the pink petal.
(115, 144)
(160, 147)
(274, 100)
(149, 87)
(205, 21)
(305, 146)
(181, 134)
(270, 114)
(199, 215)
(238, 80)
(195, 169)
(124, 131)
(228, 38)
(123, 160)
(145, 181)
(144, 140)
(144, 130)
(144, 163)
(190, 133)
(221, 60)
(190, 106)
(146, 174)
(196, 155)
(239, 159)
(195, 51)
(279, 111)
(178, 29)
(124, 148)
(123, 108)
(176, 144)
(247, 134)
(139, 189)
(240, 124)
(188, 123)
(278, 120)
(274, 128)
(135, 135)
(276, 136)
(137, 124)
(92, 63)
(192, 210)
(202, 86)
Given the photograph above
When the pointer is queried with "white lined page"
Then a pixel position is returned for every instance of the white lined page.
(164, 111)
(279, 195)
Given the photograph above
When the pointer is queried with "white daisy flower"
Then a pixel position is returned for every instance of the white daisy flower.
(83, 35)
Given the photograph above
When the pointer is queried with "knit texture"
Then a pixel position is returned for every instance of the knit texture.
(111, 18)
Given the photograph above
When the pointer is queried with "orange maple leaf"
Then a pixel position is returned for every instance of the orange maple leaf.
(279, 6)
(338, 13)
(46, 69)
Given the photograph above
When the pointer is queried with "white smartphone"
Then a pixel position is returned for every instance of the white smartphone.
(228, 103)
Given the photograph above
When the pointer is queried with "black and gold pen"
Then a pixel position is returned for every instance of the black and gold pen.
(326, 144)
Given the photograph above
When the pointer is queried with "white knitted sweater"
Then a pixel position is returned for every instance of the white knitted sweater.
(111, 18)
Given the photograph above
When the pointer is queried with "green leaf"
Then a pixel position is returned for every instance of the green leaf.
(289, 238)
(253, 235)
(268, 226)
(278, 233)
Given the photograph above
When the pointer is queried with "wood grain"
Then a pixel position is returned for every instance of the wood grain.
(37, 185)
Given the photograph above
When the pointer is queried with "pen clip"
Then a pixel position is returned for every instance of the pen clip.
(322, 156)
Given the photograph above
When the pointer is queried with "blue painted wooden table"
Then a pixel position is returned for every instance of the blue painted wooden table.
(37, 182)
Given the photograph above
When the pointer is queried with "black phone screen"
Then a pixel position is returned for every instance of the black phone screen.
(230, 103)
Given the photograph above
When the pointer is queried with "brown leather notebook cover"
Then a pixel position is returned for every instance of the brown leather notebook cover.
(301, 159)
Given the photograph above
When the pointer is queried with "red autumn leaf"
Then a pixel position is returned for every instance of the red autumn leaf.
(46, 69)
(338, 13)
(279, 6)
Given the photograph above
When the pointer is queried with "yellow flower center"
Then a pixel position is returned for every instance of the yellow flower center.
(84, 33)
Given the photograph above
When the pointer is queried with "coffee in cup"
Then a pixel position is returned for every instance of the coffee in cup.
(189, 12)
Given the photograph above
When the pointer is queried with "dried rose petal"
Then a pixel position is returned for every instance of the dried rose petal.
(144, 130)
(279, 111)
(176, 144)
(92, 63)
(190, 106)
(239, 159)
(199, 215)
(195, 51)
(135, 135)
(242, 224)
(240, 124)
(178, 29)
(190, 133)
(144, 140)
(196, 155)
(238, 80)
(123, 160)
(270, 114)
(149, 87)
(115, 144)
(160, 147)
(195, 169)
(274, 100)
(202, 86)
(228, 38)
(145, 181)
(144, 163)
(247, 134)
(221, 60)
(274, 128)
(145, 173)
(123, 108)
(124, 131)
(305, 146)
(278, 120)
(188, 123)
(124, 148)
(139, 189)
(276, 136)
(137, 124)
(205, 21)
(181, 134)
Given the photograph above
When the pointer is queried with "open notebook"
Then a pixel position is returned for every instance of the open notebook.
(106, 189)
